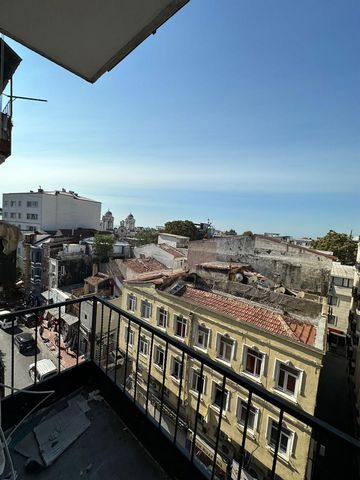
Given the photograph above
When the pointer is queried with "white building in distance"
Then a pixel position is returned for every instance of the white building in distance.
(50, 210)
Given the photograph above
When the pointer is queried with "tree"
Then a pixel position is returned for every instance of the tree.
(341, 244)
(103, 247)
(149, 235)
(230, 232)
(248, 233)
(185, 228)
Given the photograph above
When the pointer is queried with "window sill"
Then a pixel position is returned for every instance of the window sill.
(161, 369)
(181, 339)
(249, 433)
(201, 349)
(145, 319)
(252, 377)
(163, 329)
(224, 362)
(175, 380)
(291, 398)
(195, 394)
(283, 457)
(216, 409)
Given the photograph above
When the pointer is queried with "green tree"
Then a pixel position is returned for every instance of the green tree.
(185, 228)
(103, 246)
(248, 233)
(148, 235)
(230, 232)
(341, 244)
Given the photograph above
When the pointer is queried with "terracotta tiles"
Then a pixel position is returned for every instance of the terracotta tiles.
(258, 315)
(143, 265)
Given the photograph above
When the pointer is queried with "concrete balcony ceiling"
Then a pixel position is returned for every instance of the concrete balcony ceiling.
(87, 37)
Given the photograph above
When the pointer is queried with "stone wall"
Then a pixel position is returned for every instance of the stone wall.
(293, 266)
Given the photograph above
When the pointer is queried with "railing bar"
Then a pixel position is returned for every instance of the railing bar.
(117, 347)
(218, 427)
(108, 338)
(78, 335)
(59, 340)
(277, 444)
(242, 452)
(149, 373)
(163, 384)
(179, 397)
(36, 348)
(12, 359)
(93, 331)
(101, 333)
(202, 384)
(137, 363)
(127, 353)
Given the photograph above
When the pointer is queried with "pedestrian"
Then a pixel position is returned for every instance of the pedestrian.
(57, 339)
(41, 330)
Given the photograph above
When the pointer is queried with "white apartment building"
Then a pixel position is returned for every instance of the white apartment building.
(50, 210)
(340, 298)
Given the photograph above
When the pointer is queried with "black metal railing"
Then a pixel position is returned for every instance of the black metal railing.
(141, 367)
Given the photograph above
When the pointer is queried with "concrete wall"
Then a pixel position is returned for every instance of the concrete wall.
(293, 266)
(152, 250)
(176, 241)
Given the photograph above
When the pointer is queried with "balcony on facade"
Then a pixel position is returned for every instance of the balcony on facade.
(182, 437)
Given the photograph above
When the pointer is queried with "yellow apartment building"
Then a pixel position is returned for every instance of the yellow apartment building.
(281, 352)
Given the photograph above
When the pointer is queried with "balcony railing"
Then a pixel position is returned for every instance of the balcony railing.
(181, 417)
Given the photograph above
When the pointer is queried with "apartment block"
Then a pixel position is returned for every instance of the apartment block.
(50, 210)
(283, 353)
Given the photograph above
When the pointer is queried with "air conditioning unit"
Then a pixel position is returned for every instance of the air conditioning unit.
(154, 385)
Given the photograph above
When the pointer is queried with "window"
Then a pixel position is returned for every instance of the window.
(32, 216)
(6, 203)
(19, 203)
(175, 368)
(5, 214)
(162, 316)
(129, 334)
(342, 282)
(145, 309)
(159, 358)
(253, 361)
(180, 326)
(333, 301)
(12, 203)
(286, 437)
(19, 215)
(202, 337)
(287, 379)
(131, 302)
(241, 415)
(332, 319)
(217, 395)
(12, 215)
(144, 346)
(197, 383)
(32, 203)
(225, 350)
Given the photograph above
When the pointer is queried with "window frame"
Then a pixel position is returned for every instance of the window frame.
(220, 336)
(216, 387)
(145, 303)
(131, 297)
(176, 360)
(242, 404)
(262, 362)
(298, 381)
(160, 314)
(159, 350)
(131, 336)
(144, 341)
(207, 335)
(272, 423)
(184, 324)
(195, 372)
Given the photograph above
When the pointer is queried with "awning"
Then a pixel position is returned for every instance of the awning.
(11, 62)
(69, 319)
(87, 37)
(334, 331)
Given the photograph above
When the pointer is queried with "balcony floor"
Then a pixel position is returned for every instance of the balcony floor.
(107, 449)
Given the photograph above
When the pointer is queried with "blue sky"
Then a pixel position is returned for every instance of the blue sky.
(245, 112)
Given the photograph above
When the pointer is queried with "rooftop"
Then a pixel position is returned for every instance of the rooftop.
(343, 271)
(172, 250)
(144, 265)
(274, 321)
(96, 279)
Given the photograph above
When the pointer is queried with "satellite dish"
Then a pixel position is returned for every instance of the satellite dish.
(239, 277)
(280, 290)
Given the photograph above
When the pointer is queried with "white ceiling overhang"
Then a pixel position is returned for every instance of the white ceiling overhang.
(87, 37)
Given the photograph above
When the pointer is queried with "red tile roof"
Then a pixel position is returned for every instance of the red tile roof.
(258, 315)
(144, 265)
(172, 250)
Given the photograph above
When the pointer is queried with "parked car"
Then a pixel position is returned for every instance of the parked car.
(6, 323)
(25, 342)
(43, 370)
(29, 319)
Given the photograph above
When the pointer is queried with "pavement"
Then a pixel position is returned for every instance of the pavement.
(334, 405)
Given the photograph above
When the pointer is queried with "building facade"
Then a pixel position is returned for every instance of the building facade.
(50, 210)
(228, 330)
(107, 222)
(340, 299)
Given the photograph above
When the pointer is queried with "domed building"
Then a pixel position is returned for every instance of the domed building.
(130, 223)
(107, 221)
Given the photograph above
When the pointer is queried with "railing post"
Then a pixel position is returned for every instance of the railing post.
(93, 330)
